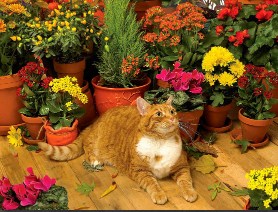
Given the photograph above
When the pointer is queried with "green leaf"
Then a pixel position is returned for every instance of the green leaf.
(85, 188)
(31, 148)
(217, 99)
(170, 58)
(239, 192)
(44, 110)
(244, 145)
(213, 195)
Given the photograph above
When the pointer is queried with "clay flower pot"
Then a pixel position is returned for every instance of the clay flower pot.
(71, 69)
(142, 6)
(34, 126)
(106, 98)
(253, 130)
(10, 103)
(189, 124)
(216, 116)
(61, 137)
(90, 111)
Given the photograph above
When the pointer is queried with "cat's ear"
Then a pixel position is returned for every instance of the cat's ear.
(169, 100)
(142, 105)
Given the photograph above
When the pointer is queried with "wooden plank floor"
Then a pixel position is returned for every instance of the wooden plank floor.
(128, 195)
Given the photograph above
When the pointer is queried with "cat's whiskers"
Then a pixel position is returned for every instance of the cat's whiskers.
(186, 127)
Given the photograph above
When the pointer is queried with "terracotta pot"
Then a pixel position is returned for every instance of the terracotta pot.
(32, 141)
(250, 1)
(168, 10)
(274, 108)
(90, 111)
(233, 113)
(253, 130)
(190, 121)
(216, 116)
(142, 6)
(61, 137)
(106, 98)
(34, 126)
(247, 205)
(10, 103)
(71, 69)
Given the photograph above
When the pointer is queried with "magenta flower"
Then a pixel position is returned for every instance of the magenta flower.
(25, 195)
(9, 204)
(45, 183)
(5, 186)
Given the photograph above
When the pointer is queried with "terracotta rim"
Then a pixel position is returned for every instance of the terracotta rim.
(249, 121)
(49, 128)
(31, 141)
(236, 134)
(4, 129)
(220, 108)
(228, 125)
(33, 120)
(96, 79)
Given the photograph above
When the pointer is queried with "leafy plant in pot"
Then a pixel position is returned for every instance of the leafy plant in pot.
(11, 16)
(255, 99)
(64, 35)
(221, 73)
(121, 79)
(33, 93)
(61, 126)
(186, 89)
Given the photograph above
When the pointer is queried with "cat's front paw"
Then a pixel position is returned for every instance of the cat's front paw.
(190, 195)
(159, 197)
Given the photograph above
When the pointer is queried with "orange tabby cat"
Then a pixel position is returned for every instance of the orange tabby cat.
(143, 142)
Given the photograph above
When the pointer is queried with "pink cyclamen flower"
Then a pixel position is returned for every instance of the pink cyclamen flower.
(45, 183)
(9, 204)
(5, 186)
(25, 195)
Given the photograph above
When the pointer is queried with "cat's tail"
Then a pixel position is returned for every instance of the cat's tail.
(64, 153)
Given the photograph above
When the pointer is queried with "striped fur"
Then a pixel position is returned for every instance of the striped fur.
(142, 142)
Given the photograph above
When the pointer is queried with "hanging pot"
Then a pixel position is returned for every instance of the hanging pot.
(61, 137)
(106, 98)
(75, 69)
(10, 103)
(34, 126)
(90, 111)
(189, 122)
(253, 130)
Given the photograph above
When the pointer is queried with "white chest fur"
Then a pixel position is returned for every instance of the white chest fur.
(161, 154)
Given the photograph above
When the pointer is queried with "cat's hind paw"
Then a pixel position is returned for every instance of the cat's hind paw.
(190, 195)
(159, 197)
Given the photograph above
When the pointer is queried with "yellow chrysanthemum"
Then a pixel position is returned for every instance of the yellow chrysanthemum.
(210, 78)
(226, 78)
(14, 137)
(68, 105)
(17, 8)
(237, 68)
(217, 56)
(266, 203)
(2, 26)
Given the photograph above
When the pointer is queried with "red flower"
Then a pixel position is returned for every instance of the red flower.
(234, 12)
(9, 204)
(223, 13)
(268, 95)
(243, 81)
(53, 5)
(219, 29)
(232, 38)
(271, 2)
(257, 91)
(264, 15)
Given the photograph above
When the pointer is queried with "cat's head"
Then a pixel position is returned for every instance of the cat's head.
(158, 118)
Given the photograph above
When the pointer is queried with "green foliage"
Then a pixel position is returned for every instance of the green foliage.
(182, 101)
(244, 145)
(215, 189)
(31, 148)
(121, 38)
(85, 188)
(56, 198)
(239, 192)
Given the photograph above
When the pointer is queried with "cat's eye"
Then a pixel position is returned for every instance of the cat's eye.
(172, 112)
(158, 114)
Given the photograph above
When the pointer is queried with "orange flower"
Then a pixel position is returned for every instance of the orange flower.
(17, 8)
(2, 26)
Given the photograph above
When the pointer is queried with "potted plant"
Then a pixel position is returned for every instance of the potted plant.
(61, 126)
(33, 93)
(33, 194)
(256, 99)
(122, 51)
(248, 31)
(64, 35)
(186, 89)
(176, 35)
(221, 73)
(11, 16)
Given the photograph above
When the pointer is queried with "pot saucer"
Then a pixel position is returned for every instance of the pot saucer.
(228, 125)
(5, 129)
(31, 141)
(196, 139)
(236, 134)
